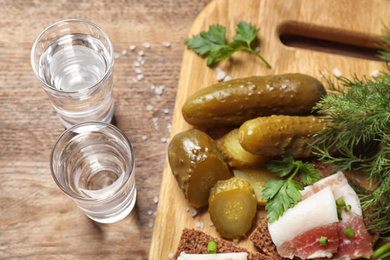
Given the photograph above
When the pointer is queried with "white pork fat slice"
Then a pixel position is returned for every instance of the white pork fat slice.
(298, 231)
(223, 256)
(360, 244)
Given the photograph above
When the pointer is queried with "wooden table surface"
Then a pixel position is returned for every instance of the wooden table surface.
(37, 221)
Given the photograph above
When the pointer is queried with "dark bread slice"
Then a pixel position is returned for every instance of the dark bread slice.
(261, 238)
(195, 242)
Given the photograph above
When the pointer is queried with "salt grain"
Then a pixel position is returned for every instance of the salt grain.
(136, 64)
(144, 137)
(141, 53)
(221, 75)
(211, 224)
(124, 52)
(135, 80)
(139, 77)
(200, 225)
(150, 212)
(337, 73)
(142, 62)
(165, 110)
(140, 59)
(170, 256)
(257, 49)
(116, 55)
(167, 118)
(150, 224)
(227, 78)
(163, 140)
(159, 90)
(132, 47)
(155, 199)
(138, 71)
(147, 45)
(194, 212)
(218, 69)
(236, 240)
(166, 44)
(375, 74)
(149, 107)
(187, 209)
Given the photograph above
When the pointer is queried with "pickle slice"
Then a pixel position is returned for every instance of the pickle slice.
(203, 178)
(235, 155)
(257, 177)
(232, 207)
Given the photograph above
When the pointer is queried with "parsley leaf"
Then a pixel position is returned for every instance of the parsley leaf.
(213, 42)
(284, 194)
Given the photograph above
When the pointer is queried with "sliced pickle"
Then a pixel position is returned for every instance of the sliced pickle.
(232, 207)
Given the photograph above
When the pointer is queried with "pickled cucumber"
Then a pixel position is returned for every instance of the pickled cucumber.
(257, 177)
(235, 155)
(232, 207)
(279, 135)
(196, 164)
(233, 102)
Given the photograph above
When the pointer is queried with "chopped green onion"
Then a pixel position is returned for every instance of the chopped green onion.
(339, 214)
(349, 232)
(340, 203)
(348, 208)
(323, 241)
(212, 247)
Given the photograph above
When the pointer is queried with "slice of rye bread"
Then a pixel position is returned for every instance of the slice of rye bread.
(195, 242)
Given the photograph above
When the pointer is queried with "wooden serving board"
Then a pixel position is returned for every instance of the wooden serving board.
(350, 22)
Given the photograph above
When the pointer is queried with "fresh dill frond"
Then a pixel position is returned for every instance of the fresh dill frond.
(359, 113)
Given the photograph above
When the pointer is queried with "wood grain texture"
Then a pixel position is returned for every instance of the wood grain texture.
(347, 19)
(37, 221)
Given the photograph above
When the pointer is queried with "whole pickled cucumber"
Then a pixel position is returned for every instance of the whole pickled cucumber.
(196, 164)
(232, 207)
(233, 102)
(279, 135)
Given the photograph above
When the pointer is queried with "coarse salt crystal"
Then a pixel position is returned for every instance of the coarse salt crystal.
(167, 118)
(211, 224)
(170, 256)
(135, 80)
(257, 49)
(132, 47)
(194, 212)
(150, 224)
(375, 74)
(163, 140)
(142, 62)
(150, 212)
(155, 199)
(218, 69)
(146, 45)
(187, 209)
(159, 89)
(149, 107)
(322, 74)
(227, 78)
(236, 240)
(141, 53)
(166, 44)
(116, 55)
(165, 110)
(138, 71)
(139, 77)
(136, 64)
(124, 52)
(144, 137)
(337, 73)
(140, 59)
(200, 225)
(221, 75)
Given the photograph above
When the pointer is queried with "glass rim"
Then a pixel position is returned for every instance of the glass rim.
(70, 129)
(106, 74)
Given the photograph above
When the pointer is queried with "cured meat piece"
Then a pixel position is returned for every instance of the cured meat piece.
(298, 231)
(349, 248)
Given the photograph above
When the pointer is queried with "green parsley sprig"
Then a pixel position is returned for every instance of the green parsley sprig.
(284, 194)
(213, 42)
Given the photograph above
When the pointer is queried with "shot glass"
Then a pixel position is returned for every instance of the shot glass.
(93, 164)
(73, 61)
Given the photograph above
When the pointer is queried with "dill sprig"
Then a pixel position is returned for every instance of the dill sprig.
(359, 115)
